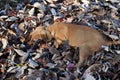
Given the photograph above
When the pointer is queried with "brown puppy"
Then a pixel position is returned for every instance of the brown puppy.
(87, 39)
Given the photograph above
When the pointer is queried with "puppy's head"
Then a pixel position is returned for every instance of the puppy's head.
(46, 35)
(40, 33)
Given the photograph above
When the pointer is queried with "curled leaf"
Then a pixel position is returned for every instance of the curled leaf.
(4, 42)
(20, 52)
(32, 63)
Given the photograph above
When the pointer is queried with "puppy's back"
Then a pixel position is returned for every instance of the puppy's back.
(78, 34)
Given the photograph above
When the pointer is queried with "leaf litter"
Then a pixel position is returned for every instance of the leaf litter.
(21, 61)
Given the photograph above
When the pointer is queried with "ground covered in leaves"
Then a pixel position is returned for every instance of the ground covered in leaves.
(21, 61)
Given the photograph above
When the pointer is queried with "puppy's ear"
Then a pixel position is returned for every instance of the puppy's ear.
(49, 35)
(46, 35)
(43, 35)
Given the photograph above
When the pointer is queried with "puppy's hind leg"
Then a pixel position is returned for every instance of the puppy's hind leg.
(84, 53)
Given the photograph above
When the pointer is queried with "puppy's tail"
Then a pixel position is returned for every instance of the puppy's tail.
(116, 42)
(109, 40)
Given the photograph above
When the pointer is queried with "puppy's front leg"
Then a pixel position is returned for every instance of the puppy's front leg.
(57, 43)
(84, 53)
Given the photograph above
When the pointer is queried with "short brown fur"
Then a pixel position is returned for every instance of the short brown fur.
(86, 38)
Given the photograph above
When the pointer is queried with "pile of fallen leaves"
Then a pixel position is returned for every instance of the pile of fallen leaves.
(21, 61)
